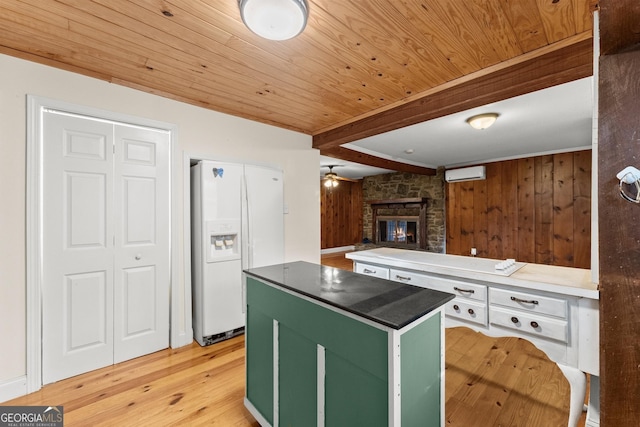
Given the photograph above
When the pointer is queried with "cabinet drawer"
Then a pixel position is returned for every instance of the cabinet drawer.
(530, 302)
(463, 290)
(529, 323)
(407, 277)
(372, 270)
(467, 310)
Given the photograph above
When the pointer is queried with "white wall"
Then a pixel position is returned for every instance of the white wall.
(201, 132)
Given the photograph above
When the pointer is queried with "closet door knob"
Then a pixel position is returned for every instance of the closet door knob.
(471, 312)
(534, 325)
(514, 319)
(455, 307)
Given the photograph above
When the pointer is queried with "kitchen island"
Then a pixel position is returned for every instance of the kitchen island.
(326, 346)
(556, 308)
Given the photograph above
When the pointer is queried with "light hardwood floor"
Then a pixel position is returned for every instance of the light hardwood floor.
(489, 382)
(188, 386)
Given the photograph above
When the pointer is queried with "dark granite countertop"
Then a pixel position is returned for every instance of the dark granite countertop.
(383, 301)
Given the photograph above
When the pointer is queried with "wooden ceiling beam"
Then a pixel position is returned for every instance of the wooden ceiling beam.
(556, 64)
(378, 162)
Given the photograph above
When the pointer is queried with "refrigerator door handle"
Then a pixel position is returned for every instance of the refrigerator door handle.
(246, 241)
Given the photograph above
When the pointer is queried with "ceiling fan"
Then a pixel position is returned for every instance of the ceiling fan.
(331, 178)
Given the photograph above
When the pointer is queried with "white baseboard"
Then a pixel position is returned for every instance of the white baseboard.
(10, 389)
(340, 249)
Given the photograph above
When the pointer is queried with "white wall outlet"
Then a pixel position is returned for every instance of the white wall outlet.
(474, 252)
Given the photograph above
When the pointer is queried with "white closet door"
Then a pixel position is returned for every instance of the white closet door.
(106, 248)
(77, 283)
(142, 242)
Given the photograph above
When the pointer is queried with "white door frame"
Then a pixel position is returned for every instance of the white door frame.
(34, 220)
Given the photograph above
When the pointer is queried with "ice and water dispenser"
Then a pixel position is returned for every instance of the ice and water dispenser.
(223, 240)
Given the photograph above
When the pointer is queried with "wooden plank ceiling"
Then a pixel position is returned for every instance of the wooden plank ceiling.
(360, 67)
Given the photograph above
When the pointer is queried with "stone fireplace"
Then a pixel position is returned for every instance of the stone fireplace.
(398, 185)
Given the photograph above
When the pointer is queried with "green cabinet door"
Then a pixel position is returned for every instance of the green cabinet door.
(297, 379)
(259, 360)
(354, 397)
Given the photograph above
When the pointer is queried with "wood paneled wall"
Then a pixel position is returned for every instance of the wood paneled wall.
(341, 214)
(536, 209)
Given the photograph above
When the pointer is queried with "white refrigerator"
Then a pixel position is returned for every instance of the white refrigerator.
(237, 222)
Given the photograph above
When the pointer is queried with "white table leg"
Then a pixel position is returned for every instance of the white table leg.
(593, 412)
(578, 383)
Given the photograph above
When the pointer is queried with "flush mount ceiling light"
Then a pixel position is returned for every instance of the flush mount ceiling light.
(274, 19)
(482, 121)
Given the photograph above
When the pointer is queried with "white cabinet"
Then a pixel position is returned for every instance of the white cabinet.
(556, 308)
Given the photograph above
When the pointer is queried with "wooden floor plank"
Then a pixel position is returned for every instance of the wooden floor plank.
(481, 375)
(502, 384)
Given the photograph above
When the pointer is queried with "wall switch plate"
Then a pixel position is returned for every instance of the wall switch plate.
(474, 252)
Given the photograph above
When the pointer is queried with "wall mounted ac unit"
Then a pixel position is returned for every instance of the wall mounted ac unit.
(465, 174)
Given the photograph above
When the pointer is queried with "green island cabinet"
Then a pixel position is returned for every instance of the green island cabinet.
(328, 347)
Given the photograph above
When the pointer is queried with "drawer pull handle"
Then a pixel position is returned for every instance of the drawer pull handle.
(514, 319)
(471, 312)
(535, 325)
(455, 307)
(524, 301)
(403, 278)
(367, 271)
(469, 291)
